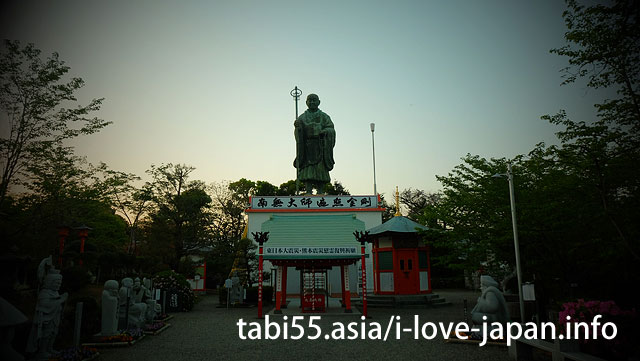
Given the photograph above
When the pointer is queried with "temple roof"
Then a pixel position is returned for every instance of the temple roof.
(397, 224)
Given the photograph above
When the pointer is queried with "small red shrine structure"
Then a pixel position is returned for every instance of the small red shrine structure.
(401, 260)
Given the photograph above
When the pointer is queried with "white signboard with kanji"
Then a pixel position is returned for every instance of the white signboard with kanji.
(311, 251)
(328, 202)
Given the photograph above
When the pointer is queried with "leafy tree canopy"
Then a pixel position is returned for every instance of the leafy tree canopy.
(39, 105)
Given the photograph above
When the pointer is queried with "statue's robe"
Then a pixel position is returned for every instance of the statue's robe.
(491, 304)
(141, 295)
(315, 139)
(46, 319)
(110, 312)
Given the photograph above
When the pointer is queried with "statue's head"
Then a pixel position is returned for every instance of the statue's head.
(127, 282)
(487, 281)
(111, 286)
(147, 283)
(313, 101)
(136, 283)
(52, 281)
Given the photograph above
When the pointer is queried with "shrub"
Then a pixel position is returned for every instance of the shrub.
(619, 348)
(172, 281)
(74, 278)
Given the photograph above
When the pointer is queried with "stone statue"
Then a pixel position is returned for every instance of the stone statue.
(123, 300)
(491, 303)
(146, 283)
(236, 289)
(110, 305)
(46, 320)
(315, 138)
(140, 291)
(152, 306)
(136, 311)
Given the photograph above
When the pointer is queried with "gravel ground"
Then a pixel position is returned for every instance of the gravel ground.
(211, 333)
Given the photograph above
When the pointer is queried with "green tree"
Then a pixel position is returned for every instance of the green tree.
(61, 193)
(603, 45)
(335, 189)
(389, 210)
(288, 188)
(469, 220)
(241, 190)
(130, 202)
(180, 222)
(37, 103)
(247, 259)
(264, 188)
(577, 202)
(228, 223)
(416, 200)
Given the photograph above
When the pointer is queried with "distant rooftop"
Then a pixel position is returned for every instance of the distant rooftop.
(397, 224)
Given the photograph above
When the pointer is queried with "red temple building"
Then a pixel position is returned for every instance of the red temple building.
(401, 260)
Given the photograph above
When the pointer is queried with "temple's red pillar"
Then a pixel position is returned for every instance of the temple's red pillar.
(376, 275)
(342, 284)
(346, 289)
(284, 287)
(364, 282)
(429, 267)
(260, 259)
(278, 290)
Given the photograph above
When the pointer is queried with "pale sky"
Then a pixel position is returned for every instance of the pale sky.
(207, 83)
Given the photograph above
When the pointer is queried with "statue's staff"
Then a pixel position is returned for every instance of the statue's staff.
(295, 93)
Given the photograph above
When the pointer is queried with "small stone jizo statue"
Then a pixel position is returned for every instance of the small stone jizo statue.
(140, 291)
(152, 306)
(110, 305)
(136, 311)
(236, 289)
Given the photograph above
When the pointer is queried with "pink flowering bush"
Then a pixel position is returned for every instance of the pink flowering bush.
(585, 311)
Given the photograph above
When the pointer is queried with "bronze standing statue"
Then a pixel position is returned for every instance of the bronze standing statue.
(315, 138)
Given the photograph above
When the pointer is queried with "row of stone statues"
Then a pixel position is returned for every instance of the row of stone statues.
(128, 306)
